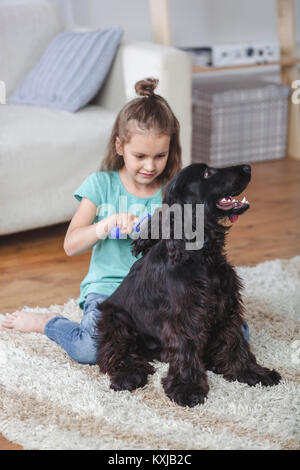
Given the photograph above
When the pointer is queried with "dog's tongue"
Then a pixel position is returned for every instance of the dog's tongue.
(233, 218)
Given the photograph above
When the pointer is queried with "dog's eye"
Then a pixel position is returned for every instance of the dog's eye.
(208, 173)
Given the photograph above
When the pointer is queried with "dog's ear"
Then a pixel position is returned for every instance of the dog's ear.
(149, 234)
(151, 231)
(175, 244)
(176, 251)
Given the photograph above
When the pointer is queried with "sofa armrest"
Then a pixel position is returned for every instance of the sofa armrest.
(137, 60)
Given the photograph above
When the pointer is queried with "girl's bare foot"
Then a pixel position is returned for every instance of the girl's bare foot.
(27, 322)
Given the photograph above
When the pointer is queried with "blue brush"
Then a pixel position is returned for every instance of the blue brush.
(116, 232)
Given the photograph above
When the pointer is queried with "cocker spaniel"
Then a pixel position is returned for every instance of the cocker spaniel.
(183, 306)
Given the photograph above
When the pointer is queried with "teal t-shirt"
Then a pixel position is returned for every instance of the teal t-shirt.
(111, 259)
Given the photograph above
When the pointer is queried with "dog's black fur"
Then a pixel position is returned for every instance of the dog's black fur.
(182, 306)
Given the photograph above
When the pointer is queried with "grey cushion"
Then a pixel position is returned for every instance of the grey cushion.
(71, 70)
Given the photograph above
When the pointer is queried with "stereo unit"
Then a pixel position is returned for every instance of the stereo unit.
(222, 55)
(245, 53)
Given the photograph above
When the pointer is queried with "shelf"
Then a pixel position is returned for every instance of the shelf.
(288, 63)
(281, 63)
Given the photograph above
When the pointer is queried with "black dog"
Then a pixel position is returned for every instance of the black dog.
(183, 306)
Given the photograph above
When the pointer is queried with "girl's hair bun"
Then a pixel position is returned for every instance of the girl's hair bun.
(146, 87)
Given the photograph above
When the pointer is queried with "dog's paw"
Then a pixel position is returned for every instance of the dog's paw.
(265, 377)
(270, 378)
(185, 394)
(127, 379)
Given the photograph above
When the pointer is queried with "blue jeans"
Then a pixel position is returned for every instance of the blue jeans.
(245, 331)
(80, 340)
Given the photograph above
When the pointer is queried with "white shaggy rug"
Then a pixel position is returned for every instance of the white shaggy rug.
(47, 401)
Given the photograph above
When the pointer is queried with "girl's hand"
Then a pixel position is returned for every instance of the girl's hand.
(126, 221)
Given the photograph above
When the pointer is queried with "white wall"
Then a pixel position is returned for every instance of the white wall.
(193, 22)
(65, 6)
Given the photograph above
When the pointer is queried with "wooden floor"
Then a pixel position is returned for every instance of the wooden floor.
(35, 271)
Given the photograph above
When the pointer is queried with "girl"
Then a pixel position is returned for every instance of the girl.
(144, 153)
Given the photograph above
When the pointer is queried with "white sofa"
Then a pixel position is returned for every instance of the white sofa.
(45, 154)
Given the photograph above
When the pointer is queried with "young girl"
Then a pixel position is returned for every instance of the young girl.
(144, 153)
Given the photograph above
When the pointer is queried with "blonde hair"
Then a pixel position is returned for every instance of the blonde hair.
(149, 112)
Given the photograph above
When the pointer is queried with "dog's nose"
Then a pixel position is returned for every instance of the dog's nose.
(247, 168)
